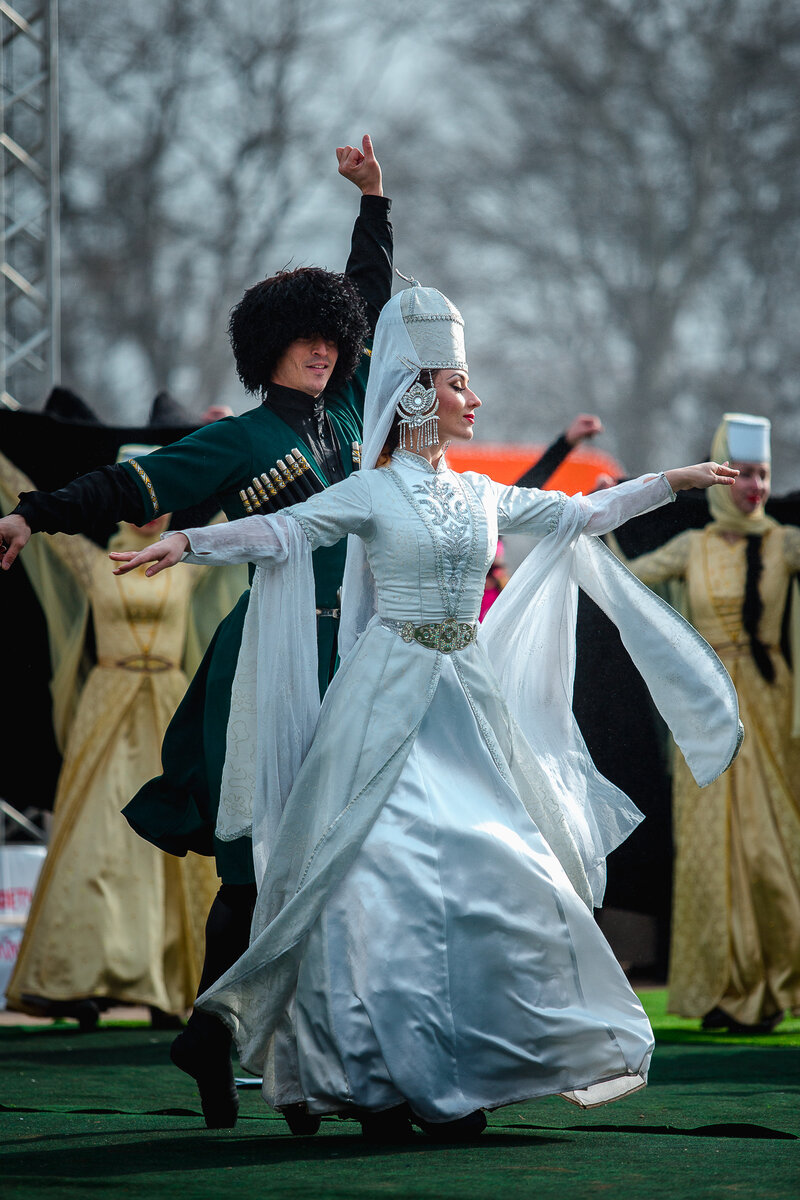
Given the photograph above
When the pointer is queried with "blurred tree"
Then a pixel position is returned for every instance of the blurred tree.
(607, 187)
(188, 130)
(625, 201)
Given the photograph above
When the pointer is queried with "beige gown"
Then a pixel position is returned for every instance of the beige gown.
(112, 916)
(736, 908)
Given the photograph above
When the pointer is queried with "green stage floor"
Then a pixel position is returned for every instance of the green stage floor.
(104, 1114)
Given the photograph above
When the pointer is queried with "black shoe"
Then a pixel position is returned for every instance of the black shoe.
(301, 1122)
(208, 1060)
(716, 1019)
(462, 1130)
(392, 1126)
(85, 1012)
(761, 1027)
(163, 1020)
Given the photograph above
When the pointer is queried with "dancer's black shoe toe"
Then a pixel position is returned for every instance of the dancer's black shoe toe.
(716, 1019)
(87, 1014)
(462, 1130)
(766, 1025)
(209, 1064)
(392, 1126)
(301, 1122)
(161, 1020)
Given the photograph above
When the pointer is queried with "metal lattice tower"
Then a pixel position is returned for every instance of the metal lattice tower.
(29, 276)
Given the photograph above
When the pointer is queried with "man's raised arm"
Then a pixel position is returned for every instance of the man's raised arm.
(371, 249)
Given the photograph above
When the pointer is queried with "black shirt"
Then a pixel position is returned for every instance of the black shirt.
(306, 415)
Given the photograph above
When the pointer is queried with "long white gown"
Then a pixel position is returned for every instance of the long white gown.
(424, 931)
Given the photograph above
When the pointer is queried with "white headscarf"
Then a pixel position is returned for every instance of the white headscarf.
(419, 329)
(739, 438)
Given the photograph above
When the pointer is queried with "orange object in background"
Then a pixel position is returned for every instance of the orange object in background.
(506, 463)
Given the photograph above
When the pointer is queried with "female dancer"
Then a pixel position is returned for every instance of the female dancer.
(735, 944)
(113, 920)
(430, 844)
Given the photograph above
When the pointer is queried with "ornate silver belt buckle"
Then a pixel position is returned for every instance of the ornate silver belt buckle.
(444, 636)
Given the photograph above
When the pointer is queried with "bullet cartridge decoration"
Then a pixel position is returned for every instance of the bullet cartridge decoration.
(290, 481)
(309, 479)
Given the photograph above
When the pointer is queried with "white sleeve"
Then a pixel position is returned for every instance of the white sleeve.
(529, 510)
(612, 507)
(344, 508)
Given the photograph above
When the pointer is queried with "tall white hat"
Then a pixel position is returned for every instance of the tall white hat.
(746, 438)
(435, 327)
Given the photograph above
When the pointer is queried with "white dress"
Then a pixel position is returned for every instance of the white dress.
(424, 930)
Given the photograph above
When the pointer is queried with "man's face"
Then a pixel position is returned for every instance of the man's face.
(306, 365)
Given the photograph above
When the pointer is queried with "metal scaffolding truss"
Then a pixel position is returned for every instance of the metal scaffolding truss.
(29, 275)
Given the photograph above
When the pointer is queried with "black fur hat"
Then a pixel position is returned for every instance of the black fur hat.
(307, 302)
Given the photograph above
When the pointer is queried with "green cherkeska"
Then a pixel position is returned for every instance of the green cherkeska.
(177, 811)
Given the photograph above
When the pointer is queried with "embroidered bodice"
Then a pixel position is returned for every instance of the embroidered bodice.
(432, 561)
(430, 535)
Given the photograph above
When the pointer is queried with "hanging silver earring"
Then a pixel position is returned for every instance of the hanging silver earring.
(417, 412)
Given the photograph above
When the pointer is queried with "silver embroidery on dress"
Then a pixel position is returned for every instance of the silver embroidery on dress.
(449, 513)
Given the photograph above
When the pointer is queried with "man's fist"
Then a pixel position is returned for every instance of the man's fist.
(583, 426)
(361, 167)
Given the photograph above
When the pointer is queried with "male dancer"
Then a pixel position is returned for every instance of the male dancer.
(298, 341)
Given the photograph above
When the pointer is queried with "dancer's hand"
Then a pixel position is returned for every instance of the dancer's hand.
(701, 475)
(585, 425)
(163, 554)
(361, 167)
(14, 534)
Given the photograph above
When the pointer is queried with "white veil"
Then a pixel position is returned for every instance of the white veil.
(418, 329)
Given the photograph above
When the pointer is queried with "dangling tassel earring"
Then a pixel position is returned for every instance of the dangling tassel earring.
(417, 411)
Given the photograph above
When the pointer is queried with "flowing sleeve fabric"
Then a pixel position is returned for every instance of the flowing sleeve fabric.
(529, 634)
(324, 518)
(275, 697)
(214, 594)
(528, 510)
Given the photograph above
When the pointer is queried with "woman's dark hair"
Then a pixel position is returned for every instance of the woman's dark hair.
(304, 303)
(752, 608)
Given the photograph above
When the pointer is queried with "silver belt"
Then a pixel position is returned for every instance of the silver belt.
(333, 613)
(445, 636)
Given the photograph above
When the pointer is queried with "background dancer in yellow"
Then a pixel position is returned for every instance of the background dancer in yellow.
(735, 949)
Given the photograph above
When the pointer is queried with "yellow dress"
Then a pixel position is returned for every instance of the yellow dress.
(112, 916)
(736, 902)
